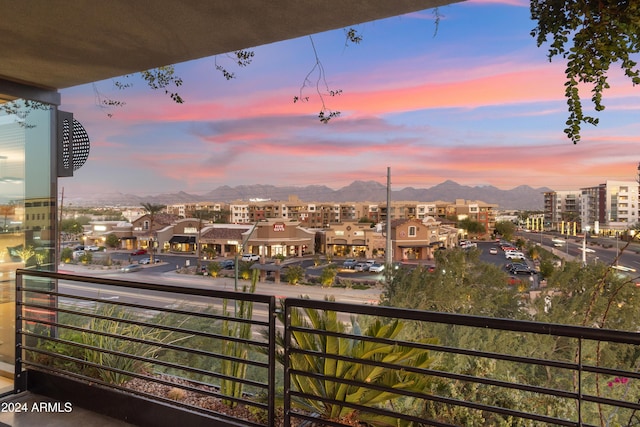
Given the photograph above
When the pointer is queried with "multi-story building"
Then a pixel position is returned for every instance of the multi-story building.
(474, 210)
(610, 207)
(190, 210)
(239, 213)
(561, 210)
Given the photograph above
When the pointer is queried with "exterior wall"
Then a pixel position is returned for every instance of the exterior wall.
(224, 239)
(610, 207)
(562, 207)
(353, 239)
(99, 230)
(274, 237)
(415, 239)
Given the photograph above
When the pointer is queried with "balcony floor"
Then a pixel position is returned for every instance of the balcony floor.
(50, 418)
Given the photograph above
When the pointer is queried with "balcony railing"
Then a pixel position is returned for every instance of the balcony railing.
(180, 348)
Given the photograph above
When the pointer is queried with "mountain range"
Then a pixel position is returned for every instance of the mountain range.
(522, 197)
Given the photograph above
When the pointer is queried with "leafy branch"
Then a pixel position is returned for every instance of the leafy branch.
(241, 58)
(316, 78)
(591, 35)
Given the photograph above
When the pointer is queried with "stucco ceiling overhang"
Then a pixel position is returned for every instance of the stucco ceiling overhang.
(56, 44)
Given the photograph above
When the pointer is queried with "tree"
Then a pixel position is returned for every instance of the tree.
(213, 268)
(294, 274)
(66, 255)
(591, 35)
(25, 253)
(471, 226)
(506, 229)
(328, 275)
(209, 251)
(152, 211)
(366, 220)
(71, 226)
(112, 240)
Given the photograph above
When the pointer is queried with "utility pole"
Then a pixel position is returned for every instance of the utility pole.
(388, 249)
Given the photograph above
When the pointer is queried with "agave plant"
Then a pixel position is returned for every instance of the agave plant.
(370, 380)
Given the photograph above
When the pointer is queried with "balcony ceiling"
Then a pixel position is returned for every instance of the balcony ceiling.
(55, 44)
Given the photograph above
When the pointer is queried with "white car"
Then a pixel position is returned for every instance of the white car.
(513, 254)
(376, 268)
(361, 266)
(250, 257)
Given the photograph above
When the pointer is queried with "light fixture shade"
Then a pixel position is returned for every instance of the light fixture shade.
(73, 144)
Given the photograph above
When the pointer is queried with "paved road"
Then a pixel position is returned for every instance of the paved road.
(155, 274)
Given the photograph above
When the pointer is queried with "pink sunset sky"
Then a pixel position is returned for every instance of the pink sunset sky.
(475, 102)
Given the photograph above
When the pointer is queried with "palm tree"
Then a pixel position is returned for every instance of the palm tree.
(152, 210)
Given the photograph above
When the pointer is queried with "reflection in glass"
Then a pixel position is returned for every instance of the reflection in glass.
(27, 211)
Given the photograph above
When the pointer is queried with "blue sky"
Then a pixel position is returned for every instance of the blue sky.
(475, 102)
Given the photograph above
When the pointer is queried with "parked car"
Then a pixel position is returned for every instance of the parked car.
(77, 254)
(349, 263)
(511, 265)
(131, 268)
(520, 269)
(361, 266)
(376, 268)
(513, 255)
(139, 252)
(227, 264)
(250, 257)
(92, 248)
(148, 261)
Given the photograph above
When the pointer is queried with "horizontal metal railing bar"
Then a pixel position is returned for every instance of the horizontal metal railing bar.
(154, 361)
(401, 392)
(26, 292)
(440, 348)
(146, 324)
(130, 374)
(147, 307)
(583, 332)
(187, 407)
(442, 374)
(572, 367)
(141, 341)
(148, 286)
(311, 419)
(467, 404)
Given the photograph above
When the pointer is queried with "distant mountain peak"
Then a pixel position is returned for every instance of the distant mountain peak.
(522, 197)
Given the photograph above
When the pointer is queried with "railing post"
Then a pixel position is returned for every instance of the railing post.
(19, 383)
(287, 379)
(271, 386)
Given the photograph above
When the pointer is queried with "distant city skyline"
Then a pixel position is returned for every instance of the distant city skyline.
(475, 102)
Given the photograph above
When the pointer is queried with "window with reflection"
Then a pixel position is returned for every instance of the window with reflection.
(27, 209)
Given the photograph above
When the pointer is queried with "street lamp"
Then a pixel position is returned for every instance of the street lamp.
(584, 245)
(617, 249)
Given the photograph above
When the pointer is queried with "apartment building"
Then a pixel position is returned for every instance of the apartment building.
(328, 214)
(560, 208)
(610, 207)
(606, 208)
(190, 210)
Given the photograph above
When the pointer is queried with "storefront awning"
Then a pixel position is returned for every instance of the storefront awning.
(183, 239)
